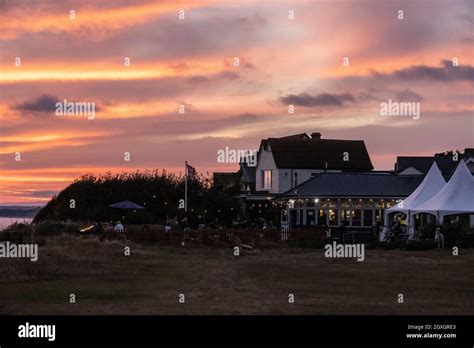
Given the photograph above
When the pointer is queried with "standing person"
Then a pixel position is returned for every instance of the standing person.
(99, 231)
(375, 232)
(167, 231)
(185, 225)
(120, 230)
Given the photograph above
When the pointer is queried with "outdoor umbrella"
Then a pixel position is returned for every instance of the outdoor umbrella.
(126, 205)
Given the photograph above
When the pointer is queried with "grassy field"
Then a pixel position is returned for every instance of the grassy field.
(214, 281)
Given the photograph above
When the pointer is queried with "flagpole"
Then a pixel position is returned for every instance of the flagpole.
(186, 186)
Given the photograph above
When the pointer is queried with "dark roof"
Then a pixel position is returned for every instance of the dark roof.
(248, 173)
(356, 184)
(225, 179)
(302, 152)
(423, 164)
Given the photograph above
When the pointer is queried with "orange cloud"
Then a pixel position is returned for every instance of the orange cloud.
(19, 21)
(36, 141)
(102, 71)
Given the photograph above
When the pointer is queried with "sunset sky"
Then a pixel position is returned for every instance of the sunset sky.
(190, 62)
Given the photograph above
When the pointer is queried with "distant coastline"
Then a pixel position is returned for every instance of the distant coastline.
(19, 211)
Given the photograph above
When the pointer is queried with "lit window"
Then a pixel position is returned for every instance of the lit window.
(267, 179)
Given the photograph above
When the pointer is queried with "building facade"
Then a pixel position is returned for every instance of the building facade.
(284, 163)
(353, 199)
(331, 182)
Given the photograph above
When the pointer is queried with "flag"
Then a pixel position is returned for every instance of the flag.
(190, 171)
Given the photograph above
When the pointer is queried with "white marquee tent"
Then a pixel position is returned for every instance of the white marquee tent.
(432, 183)
(456, 197)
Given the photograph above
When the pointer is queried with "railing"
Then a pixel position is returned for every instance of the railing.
(307, 233)
(208, 237)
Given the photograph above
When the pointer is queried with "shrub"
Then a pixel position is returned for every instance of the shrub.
(454, 232)
(51, 228)
(427, 231)
(158, 192)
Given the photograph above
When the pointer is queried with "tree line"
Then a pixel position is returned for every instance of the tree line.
(159, 192)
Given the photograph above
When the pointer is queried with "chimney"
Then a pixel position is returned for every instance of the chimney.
(316, 136)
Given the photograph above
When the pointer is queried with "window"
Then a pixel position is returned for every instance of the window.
(333, 217)
(299, 217)
(356, 217)
(322, 217)
(296, 180)
(379, 215)
(267, 179)
(345, 217)
(310, 217)
(367, 217)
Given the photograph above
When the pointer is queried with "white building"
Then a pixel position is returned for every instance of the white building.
(284, 163)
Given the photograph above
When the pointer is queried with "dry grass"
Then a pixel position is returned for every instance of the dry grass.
(216, 282)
